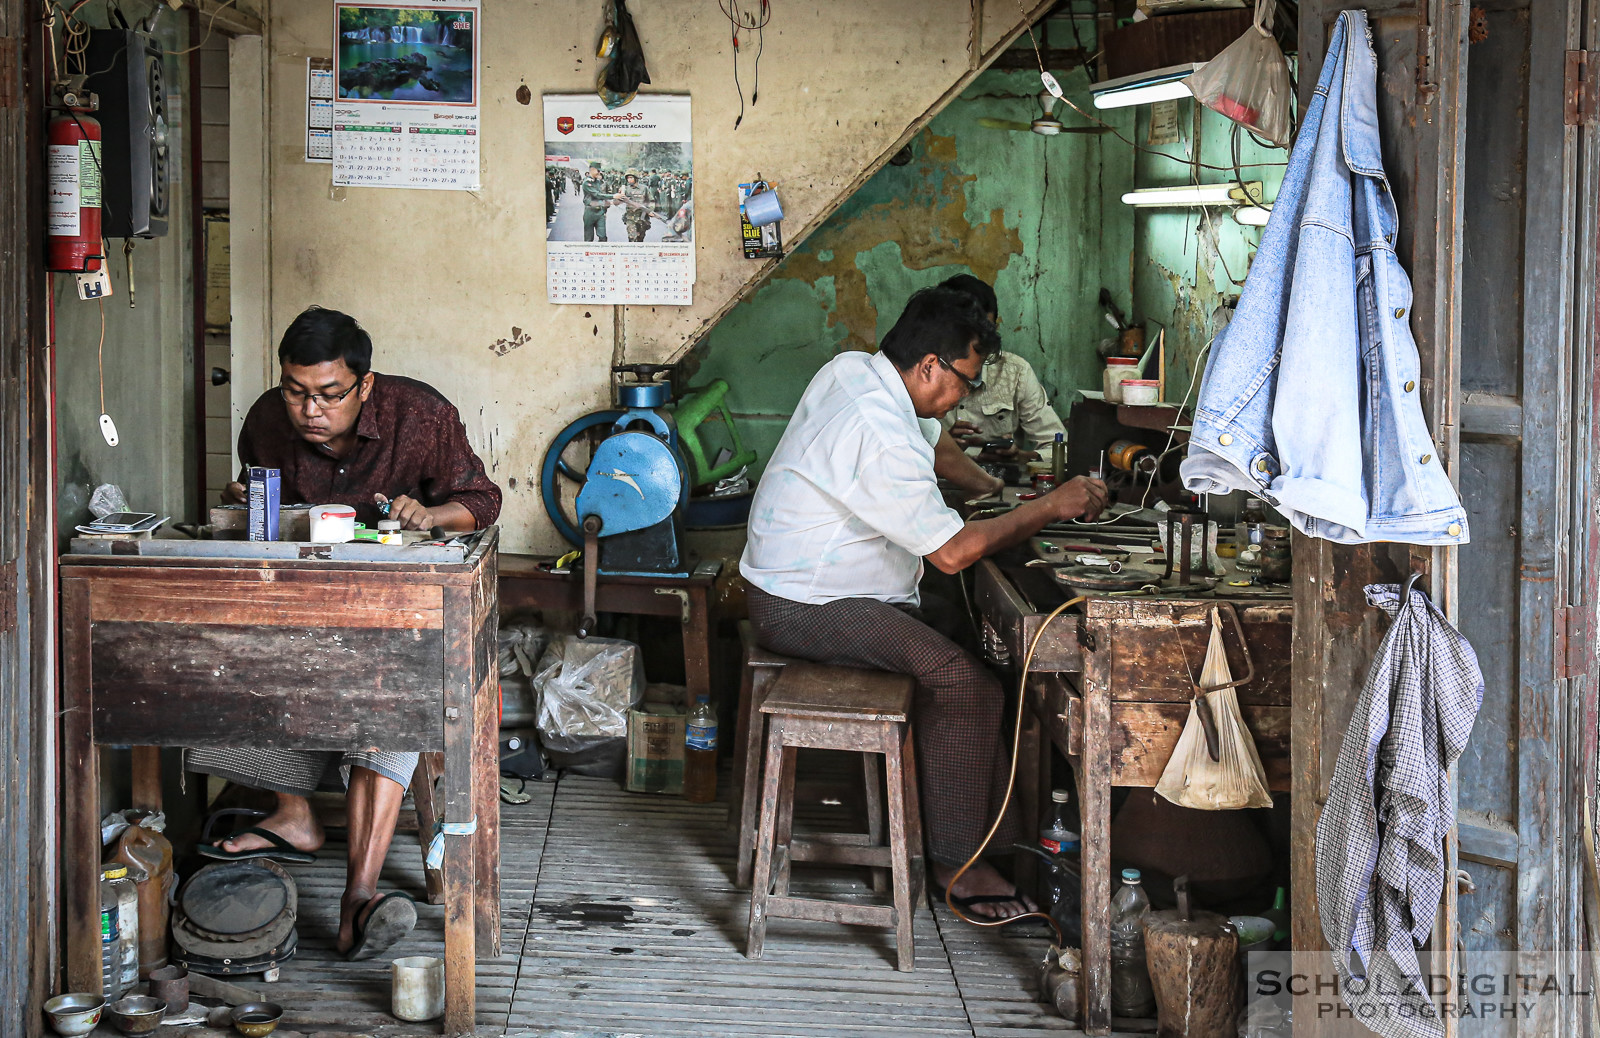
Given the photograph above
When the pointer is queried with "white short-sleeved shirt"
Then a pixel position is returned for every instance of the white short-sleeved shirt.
(849, 503)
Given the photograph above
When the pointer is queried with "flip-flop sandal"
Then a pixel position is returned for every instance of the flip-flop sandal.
(966, 903)
(281, 850)
(392, 916)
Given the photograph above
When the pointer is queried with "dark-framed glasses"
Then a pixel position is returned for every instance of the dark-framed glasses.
(298, 397)
(972, 384)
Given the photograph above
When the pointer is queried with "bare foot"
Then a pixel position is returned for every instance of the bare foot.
(293, 820)
(354, 904)
(983, 881)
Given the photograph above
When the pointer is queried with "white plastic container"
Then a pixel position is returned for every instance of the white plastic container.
(1117, 369)
(332, 524)
(418, 988)
(1141, 391)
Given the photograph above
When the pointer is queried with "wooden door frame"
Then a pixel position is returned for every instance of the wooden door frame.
(27, 539)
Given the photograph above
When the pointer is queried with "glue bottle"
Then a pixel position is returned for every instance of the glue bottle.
(700, 753)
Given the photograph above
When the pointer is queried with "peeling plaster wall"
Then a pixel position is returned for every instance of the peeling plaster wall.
(439, 278)
(1039, 218)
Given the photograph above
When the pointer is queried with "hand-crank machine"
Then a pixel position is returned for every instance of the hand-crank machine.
(635, 485)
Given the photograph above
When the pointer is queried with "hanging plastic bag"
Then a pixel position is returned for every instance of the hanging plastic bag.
(1235, 779)
(1249, 82)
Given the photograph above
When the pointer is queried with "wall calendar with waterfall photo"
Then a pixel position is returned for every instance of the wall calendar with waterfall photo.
(405, 107)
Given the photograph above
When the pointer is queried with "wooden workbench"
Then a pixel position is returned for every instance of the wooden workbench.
(1110, 690)
(306, 653)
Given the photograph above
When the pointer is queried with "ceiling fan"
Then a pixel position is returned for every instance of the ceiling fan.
(1046, 125)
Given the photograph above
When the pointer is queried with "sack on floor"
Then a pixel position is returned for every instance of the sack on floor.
(1249, 82)
(1235, 779)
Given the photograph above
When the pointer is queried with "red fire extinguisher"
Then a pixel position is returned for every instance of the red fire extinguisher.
(73, 215)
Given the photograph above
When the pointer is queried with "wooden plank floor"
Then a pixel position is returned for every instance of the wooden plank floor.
(621, 919)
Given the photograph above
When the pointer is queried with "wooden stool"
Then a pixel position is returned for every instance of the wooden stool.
(760, 671)
(838, 708)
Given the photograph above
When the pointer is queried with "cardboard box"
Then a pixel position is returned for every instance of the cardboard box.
(655, 748)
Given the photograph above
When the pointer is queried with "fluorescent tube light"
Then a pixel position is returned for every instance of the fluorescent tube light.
(1141, 95)
(1252, 216)
(1202, 194)
(1162, 84)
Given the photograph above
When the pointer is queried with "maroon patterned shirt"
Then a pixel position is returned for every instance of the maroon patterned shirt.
(409, 440)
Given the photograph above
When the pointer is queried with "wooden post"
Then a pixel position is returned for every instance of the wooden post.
(1094, 794)
(460, 946)
(80, 759)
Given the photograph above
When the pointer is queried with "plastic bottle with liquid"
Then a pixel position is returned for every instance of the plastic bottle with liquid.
(110, 942)
(1279, 914)
(700, 754)
(1058, 840)
(1131, 994)
(127, 941)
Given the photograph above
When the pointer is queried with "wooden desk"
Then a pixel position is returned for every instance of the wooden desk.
(1110, 690)
(523, 585)
(308, 654)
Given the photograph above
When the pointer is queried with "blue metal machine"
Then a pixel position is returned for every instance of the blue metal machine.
(633, 491)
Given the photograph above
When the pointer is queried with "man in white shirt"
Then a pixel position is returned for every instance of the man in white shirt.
(845, 514)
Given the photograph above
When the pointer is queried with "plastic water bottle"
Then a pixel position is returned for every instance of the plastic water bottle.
(1131, 994)
(110, 942)
(700, 754)
(115, 879)
(1057, 839)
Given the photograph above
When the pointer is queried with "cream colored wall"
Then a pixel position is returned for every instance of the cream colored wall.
(439, 277)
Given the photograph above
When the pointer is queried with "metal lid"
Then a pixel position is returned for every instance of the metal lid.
(233, 898)
(1060, 796)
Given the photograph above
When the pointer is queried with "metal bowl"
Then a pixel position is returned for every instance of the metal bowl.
(136, 1014)
(74, 1014)
(255, 1019)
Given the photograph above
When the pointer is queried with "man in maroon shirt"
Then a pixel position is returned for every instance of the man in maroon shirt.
(340, 433)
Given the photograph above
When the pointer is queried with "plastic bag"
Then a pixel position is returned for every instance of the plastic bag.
(1236, 779)
(1249, 82)
(521, 643)
(586, 687)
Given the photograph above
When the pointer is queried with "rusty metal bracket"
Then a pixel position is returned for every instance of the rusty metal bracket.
(8, 596)
(1581, 89)
(683, 600)
(1573, 648)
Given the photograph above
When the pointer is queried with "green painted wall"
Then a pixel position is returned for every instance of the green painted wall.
(1185, 264)
(1039, 218)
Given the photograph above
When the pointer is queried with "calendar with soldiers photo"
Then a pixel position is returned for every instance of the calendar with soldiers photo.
(619, 199)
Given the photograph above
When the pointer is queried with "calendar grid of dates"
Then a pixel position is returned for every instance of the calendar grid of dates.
(646, 276)
(395, 155)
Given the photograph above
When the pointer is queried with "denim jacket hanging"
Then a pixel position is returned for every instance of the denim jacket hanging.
(1310, 399)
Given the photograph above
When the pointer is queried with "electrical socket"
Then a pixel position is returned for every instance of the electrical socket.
(94, 285)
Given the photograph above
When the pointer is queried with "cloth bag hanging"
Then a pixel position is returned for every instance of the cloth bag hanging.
(1235, 779)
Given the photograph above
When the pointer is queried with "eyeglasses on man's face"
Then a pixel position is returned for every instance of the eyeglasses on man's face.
(972, 384)
(298, 397)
